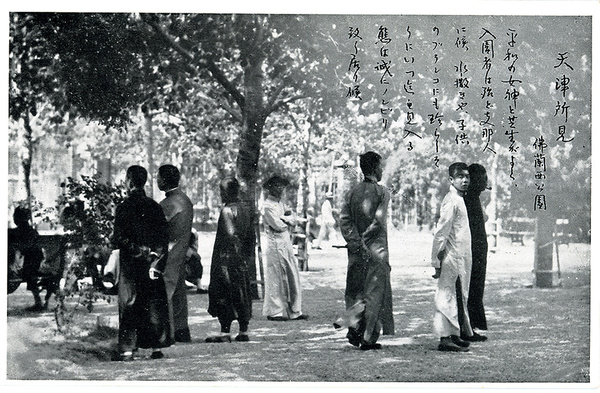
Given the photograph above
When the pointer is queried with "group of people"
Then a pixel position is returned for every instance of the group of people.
(459, 256)
(154, 239)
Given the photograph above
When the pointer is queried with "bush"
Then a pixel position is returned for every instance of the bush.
(87, 214)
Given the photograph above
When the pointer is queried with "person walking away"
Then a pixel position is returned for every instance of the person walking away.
(24, 241)
(451, 258)
(479, 250)
(363, 223)
(283, 292)
(179, 212)
(327, 229)
(229, 295)
(141, 236)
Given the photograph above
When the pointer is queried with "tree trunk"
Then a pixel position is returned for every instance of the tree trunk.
(27, 159)
(150, 147)
(249, 150)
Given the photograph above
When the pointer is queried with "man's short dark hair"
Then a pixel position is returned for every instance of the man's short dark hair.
(369, 162)
(456, 167)
(138, 175)
(478, 177)
(230, 187)
(170, 174)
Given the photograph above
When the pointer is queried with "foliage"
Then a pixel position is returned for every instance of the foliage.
(212, 81)
(87, 208)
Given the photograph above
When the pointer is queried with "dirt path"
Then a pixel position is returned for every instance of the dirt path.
(536, 335)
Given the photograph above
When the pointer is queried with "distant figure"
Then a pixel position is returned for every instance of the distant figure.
(363, 222)
(179, 212)
(283, 292)
(327, 229)
(451, 258)
(479, 248)
(25, 240)
(229, 296)
(193, 264)
(141, 235)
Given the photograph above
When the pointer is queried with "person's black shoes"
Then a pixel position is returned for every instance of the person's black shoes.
(279, 319)
(218, 339)
(353, 339)
(460, 342)
(447, 345)
(242, 338)
(302, 317)
(366, 347)
(157, 355)
(474, 338)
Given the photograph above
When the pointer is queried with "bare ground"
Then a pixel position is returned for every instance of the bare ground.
(535, 335)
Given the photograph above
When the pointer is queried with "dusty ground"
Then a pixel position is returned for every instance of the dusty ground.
(535, 335)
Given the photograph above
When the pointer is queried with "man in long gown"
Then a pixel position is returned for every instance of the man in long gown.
(283, 291)
(451, 258)
(229, 295)
(140, 233)
(363, 223)
(179, 212)
(479, 249)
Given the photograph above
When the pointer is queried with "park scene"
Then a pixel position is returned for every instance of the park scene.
(302, 97)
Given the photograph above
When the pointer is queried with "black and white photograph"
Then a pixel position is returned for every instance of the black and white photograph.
(318, 196)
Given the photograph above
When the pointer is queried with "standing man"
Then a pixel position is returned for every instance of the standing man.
(327, 222)
(140, 233)
(363, 222)
(229, 297)
(179, 212)
(479, 250)
(451, 258)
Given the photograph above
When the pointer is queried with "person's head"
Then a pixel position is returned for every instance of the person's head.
(370, 164)
(230, 189)
(21, 216)
(136, 177)
(168, 177)
(459, 176)
(479, 179)
(275, 186)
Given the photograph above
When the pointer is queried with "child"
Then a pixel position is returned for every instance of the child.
(451, 258)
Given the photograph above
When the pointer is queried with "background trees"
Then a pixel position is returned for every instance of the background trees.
(255, 94)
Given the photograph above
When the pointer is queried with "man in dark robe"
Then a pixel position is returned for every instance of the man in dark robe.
(229, 295)
(140, 233)
(479, 249)
(363, 222)
(179, 212)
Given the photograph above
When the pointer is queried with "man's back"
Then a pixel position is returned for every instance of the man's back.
(140, 220)
(179, 212)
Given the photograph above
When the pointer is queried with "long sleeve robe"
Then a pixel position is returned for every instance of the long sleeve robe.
(140, 228)
(283, 291)
(229, 295)
(179, 212)
(453, 237)
(363, 222)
